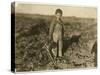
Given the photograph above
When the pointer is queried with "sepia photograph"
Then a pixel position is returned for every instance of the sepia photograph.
(54, 37)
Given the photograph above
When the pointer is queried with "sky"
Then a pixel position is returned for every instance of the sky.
(44, 9)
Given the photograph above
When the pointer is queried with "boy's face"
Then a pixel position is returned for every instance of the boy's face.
(58, 15)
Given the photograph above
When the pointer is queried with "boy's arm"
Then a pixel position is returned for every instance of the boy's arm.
(51, 29)
(62, 28)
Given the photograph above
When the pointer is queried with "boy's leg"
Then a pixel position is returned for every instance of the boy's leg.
(57, 48)
(60, 47)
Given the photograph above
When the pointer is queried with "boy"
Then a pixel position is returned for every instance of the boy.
(56, 32)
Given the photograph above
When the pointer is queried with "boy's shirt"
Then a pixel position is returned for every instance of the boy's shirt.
(56, 29)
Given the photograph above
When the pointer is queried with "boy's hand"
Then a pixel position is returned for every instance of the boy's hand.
(50, 38)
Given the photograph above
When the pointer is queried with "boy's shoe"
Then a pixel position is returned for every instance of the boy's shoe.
(61, 59)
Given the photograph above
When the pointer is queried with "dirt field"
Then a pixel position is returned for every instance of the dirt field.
(80, 38)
